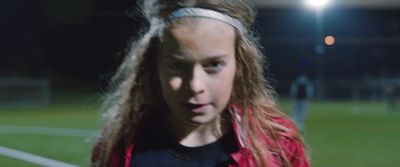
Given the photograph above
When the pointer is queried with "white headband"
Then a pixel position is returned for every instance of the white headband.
(200, 12)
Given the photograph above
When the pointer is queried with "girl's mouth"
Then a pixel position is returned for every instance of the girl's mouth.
(197, 108)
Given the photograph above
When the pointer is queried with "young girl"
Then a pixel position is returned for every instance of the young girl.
(191, 93)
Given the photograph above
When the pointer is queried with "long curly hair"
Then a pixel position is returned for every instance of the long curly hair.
(136, 90)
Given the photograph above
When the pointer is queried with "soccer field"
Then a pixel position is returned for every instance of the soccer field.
(349, 134)
(338, 134)
(68, 114)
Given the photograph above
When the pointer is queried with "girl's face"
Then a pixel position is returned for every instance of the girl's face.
(197, 68)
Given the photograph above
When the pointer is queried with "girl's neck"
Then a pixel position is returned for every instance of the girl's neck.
(194, 135)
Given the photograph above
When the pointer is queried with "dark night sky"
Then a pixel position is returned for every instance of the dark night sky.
(86, 39)
(367, 42)
(78, 39)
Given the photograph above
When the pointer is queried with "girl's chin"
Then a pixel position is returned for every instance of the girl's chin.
(202, 119)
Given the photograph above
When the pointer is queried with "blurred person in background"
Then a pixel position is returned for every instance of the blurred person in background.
(301, 91)
(191, 92)
(392, 92)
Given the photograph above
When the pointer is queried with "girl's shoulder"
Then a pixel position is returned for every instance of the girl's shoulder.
(291, 142)
(286, 132)
(287, 125)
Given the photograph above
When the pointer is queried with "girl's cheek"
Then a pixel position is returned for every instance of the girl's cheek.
(175, 83)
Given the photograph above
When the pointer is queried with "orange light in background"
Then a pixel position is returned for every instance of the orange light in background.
(329, 40)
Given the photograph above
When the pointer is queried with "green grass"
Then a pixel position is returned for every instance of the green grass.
(7, 162)
(68, 110)
(345, 134)
(67, 149)
(362, 134)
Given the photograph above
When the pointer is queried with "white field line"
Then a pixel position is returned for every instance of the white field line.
(32, 158)
(9, 129)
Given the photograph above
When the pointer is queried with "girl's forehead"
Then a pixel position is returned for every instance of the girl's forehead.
(192, 30)
(200, 36)
(200, 25)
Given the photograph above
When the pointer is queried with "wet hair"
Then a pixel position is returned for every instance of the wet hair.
(136, 88)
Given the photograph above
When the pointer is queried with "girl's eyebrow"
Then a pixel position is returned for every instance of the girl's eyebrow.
(176, 56)
(206, 58)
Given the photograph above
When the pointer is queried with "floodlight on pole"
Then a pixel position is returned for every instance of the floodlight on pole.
(317, 4)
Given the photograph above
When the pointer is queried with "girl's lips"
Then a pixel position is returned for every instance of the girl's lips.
(197, 108)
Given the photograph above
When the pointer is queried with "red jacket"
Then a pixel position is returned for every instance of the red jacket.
(293, 150)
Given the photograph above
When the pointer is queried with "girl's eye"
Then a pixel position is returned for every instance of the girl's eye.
(214, 66)
(175, 65)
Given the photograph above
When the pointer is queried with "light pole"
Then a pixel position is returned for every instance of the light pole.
(318, 6)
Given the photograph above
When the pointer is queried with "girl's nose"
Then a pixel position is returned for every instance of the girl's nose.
(197, 81)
